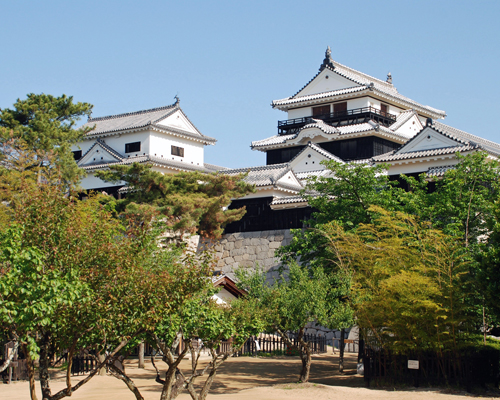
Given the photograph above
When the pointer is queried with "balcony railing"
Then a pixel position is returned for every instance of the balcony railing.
(353, 116)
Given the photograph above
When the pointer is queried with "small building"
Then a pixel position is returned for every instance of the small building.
(163, 137)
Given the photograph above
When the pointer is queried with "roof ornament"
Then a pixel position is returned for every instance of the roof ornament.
(370, 85)
(389, 78)
(89, 116)
(328, 61)
(177, 100)
(428, 122)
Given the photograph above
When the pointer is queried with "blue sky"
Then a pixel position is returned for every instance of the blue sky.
(227, 60)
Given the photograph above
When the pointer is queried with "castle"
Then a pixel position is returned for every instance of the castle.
(340, 114)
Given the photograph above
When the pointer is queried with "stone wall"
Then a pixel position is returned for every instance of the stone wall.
(249, 250)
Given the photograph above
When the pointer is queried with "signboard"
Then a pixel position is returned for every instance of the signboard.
(412, 364)
(348, 341)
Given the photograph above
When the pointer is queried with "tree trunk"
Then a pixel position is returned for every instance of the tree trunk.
(130, 384)
(101, 358)
(141, 355)
(43, 368)
(341, 351)
(31, 373)
(306, 366)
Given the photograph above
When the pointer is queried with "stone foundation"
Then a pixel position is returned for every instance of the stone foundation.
(250, 250)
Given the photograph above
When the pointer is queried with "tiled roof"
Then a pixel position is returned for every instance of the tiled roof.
(267, 175)
(307, 174)
(390, 156)
(139, 119)
(214, 168)
(320, 150)
(339, 92)
(288, 200)
(321, 125)
(438, 172)
(101, 143)
(402, 119)
(341, 130)
(178, 165)
(367, 82)
(464, 137)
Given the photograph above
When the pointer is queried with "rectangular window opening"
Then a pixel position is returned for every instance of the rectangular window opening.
(77, 154)
(178, 151)
(132, 147)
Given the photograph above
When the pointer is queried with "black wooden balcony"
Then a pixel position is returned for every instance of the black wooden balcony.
(348, 117)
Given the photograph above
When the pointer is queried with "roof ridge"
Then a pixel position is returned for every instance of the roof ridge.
(389, 85)
(257, 168)
(108, 117)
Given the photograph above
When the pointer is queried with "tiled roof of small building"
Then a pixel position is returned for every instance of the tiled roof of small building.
(267, 175)
(174, 164)
(288, 200)
(139, 119)
(438, 172)
(390, 156)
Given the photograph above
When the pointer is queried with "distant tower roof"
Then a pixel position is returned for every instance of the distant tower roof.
(389, 78)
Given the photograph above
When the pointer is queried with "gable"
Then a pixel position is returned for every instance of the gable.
(307, 134)
(98, 153)
(428, 139)
(411, 127)
(308, 160)
(178, 120)
(290, 179)
(326, 81)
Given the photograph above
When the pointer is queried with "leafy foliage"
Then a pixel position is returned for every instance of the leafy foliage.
(299, 297)
(410, 281)
(191, 202)
(44, 123)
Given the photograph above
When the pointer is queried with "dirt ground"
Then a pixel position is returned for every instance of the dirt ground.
(246, 378)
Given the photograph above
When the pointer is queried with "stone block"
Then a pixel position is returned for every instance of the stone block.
(229, 246)
(229, 260)
(225, 254)
(274, 245)
(238, 244)
(247, 242)
(238, 258)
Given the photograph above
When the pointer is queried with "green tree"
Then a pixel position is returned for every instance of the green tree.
(299, 297)
(190, 202)
(44, 123)
(409, 281)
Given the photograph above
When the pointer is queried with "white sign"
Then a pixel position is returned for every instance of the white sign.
(412, 364)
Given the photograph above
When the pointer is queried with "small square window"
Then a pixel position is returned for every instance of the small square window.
(132, 147)
(77, 154)
(178, 151)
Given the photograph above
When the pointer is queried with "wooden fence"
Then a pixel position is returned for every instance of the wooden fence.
(274, 344)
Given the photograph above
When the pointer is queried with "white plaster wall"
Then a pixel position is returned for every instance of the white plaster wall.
(117, 142)
(223, 297)
(358, 102)
(161, 146)
(327, 81)
(91, 182)
(83, 146)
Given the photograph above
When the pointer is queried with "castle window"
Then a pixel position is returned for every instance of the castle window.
(178, 151)
(77, 154)
(131, 147)
(384, 109)
(321, 110)
(340, 107)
